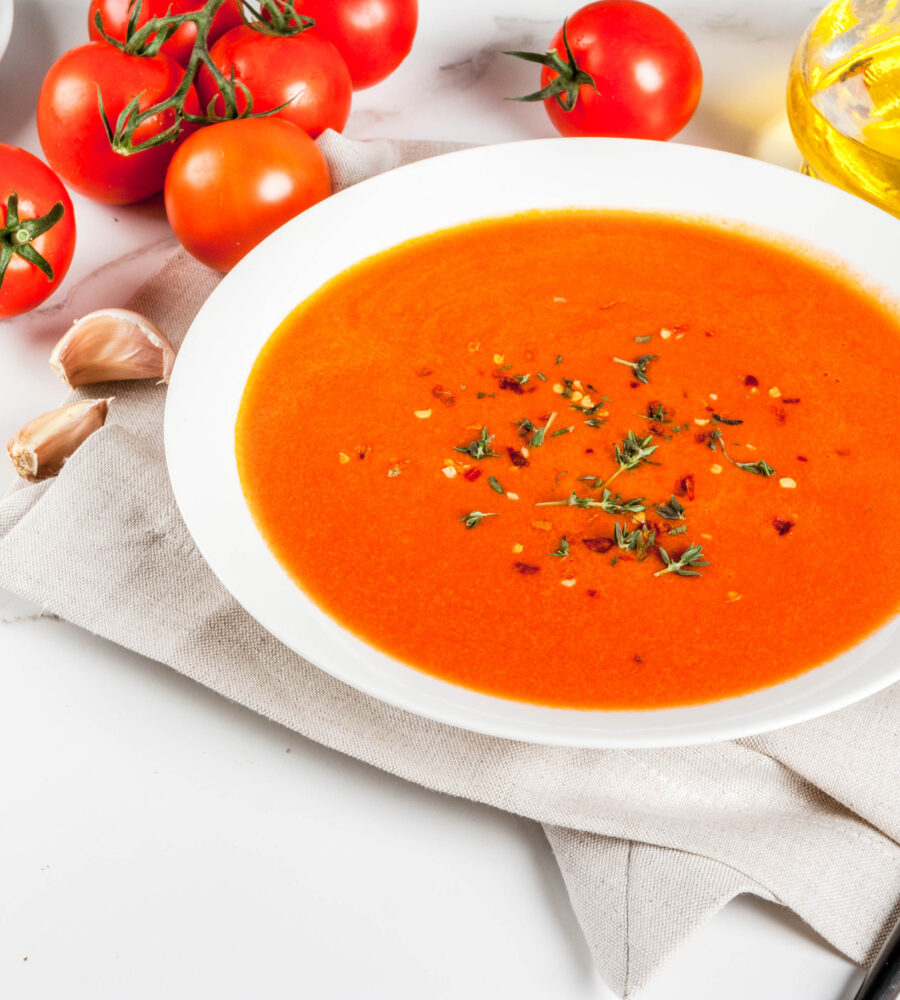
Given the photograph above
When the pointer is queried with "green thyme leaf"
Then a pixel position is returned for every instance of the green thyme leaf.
(480, 447)
(495, 485)
(474, 518)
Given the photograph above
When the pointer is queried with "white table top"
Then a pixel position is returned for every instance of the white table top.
(157, 841)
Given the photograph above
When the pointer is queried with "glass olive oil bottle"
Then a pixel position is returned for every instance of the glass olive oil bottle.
(844, 98)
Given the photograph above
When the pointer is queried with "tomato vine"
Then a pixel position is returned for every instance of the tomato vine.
(274, 17)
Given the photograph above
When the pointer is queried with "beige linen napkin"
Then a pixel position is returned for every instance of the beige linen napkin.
(649, 842)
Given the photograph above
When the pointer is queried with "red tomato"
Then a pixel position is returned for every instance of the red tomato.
(647, 74)
(72, 132)
(115, 22)
(305, 70)
(373, 36)
(42, 229)
(231, 184)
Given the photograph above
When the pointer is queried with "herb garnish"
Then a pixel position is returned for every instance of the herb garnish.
(605, 503)
(725, 420)
(671, 511)
(538, 438)
(691, 557)
(562, 430)
(640, 541)
(480, 447)
(632, 453)
(643, 340)
(680, 530)
(495, 485)
(759, 468)
(639, 366)
(563, 550)
(474, 518)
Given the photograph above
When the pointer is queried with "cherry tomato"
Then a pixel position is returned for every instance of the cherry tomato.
(115, 15)
(231, 184)
(72, 132)
(305, 70)
(646, 74)
(37, 231)
(373, 36)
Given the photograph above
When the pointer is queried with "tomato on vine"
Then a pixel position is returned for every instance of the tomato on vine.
(293, 71)
(230, 185)
(119, 18)
(618, 68)
(81, 100)
(37, 231)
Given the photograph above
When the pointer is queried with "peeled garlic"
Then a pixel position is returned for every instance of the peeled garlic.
(43, 444)
(111, 345)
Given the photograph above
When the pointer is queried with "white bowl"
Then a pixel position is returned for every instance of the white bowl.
(236, 321)
(6, 23)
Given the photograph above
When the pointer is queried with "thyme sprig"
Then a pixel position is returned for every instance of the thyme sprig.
(480, 447)
(639, 366)
(759, 468)
(691, 557)
(475, 517)
(563, 551)
(639, 541)
(671, 511)
(606, 503)
(631, 453)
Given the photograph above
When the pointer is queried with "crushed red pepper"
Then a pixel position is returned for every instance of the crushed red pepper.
(444, 395)
(598, 544)
(516, 457)
(685, 487)
(526, 569)
(781, 525)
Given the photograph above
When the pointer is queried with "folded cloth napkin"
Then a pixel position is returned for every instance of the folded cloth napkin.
(649, 842)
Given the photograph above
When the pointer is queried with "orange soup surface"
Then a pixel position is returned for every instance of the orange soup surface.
(583, 459)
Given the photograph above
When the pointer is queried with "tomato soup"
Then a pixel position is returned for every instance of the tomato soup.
(585, 459)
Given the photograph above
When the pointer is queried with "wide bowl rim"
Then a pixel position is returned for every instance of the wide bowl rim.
(766, 199)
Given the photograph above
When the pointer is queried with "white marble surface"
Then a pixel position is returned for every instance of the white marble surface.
(156, 841)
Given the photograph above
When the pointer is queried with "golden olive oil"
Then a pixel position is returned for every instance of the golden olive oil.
(844, 99)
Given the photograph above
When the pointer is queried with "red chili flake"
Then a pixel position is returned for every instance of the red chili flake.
(471, 474)
(635, 385)
(843, 452)
(700, 437)
(793, 399)
(685, 487)
(781, 525)
(625, 558)
(657, 429)
(444, 395)
(592, 593)
(526, 569)
(516, 457)
(681, 328)
(780, 414)
(709, 333)
(422, 372)
(802, 458)
(362, 450)
(510, 384)
(638, 658)
(589, 451)
(598, 544)
(751, 380)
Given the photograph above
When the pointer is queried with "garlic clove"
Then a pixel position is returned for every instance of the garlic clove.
(112, 345)
(41, 447)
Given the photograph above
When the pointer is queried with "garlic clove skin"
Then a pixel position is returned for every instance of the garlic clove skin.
(112, 345)
(41, 447)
